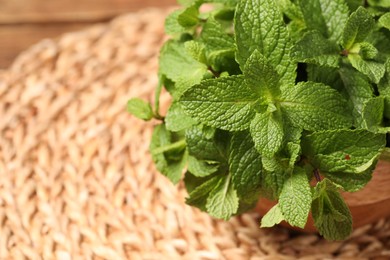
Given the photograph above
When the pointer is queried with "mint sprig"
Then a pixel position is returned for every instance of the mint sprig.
(269, 96)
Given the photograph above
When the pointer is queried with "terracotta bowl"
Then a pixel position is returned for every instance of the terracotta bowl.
(367, 205)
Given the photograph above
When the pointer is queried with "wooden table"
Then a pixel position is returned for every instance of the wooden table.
(25, 22)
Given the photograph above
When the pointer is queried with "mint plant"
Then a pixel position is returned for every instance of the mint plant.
(269, 97)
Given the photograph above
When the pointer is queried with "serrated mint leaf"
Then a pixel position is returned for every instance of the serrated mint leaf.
(189, 16)
(331, 215)
(358, 27)
(261, 76)
(274, 176)
(259, 25)
(384, 89)
(202, 168)
(225, 103)
(197, 50)
(351, 151)
(214, 36)
(326, 16)
(373, 69)
(223, 201)
(295, 198)
(177, 65)
(350, 182)
(267, 133)
(198, 196)
(379, 3)
(326, 75)
(367, 50)
(176, 120)
(373, 113)
(172, 25)
(325, 53)
(314, 106)
(201, 143)
(245, 166)
(169, 157)
(140, 108)
(273, 217)
(384, 20)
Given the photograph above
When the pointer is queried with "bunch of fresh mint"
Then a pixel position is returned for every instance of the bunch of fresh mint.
(269, 95)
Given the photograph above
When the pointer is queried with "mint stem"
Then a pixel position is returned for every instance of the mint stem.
(317, 175)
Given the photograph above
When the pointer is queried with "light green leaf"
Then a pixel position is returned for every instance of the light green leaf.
(274, 175)
(214, 37)
(267, 133)
(172, 25)
(225, 103)
(198, 196)
(314, 106)
(351, 151)
(259, 25)
(140, 108)
(326, 16)
(202, 143)
(358, 27)
(169, 157)
(384, 89)
(223, 201)
(295, 198)
(331, 215)
(350, 182)
(384, 20)
(197, 50)
(177, 65)
(261, 76)
(245, 166)
(189, 16)
(373, 69)
(379, 3)
(373, 113)
(273, 217)
(176, 120)
(202, 168)
(325, 53)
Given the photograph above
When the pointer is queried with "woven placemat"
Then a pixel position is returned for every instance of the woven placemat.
(76, 178)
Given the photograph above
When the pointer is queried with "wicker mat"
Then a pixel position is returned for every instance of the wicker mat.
(76, 179)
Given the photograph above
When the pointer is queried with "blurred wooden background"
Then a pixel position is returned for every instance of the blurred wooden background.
(25, 22)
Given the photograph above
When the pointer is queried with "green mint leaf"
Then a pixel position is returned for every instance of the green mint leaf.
(178, 66)
(245, 166)
(379, 3)
(189, 17)
(223, 201)
(176, 120)
(172, 25)
(350, 182)
(208, 145)
(384, 20)
(225, 103)
(198, 196)
(358, 90)
(274, 175)
(331, 215)
(197, 50)
(373, 113)
(202, 168)
(384, 89)
(295, 198)
(169, 157)
(314, 106)
(267, 133)
(358, 27)
(325, 53)
(367, 50)
(373, 69)
(140, 108)
(214, 37)
(326, 16)
(351, 151)
(273, 217)
(326, 75)
(261, 76)
(259, 25)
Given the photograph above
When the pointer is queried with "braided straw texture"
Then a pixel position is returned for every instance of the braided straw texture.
(76, 178)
